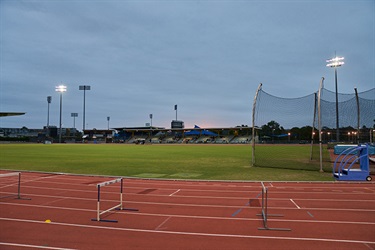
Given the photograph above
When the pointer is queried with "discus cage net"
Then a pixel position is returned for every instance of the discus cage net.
(307, 126)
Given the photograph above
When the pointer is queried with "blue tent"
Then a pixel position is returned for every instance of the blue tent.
(201, 132)
(193, 132)
(209, 133)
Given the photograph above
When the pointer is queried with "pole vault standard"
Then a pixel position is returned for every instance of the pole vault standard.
(117, 207)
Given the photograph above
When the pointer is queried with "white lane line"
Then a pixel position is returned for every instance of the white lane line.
(175, 192)
(194, 233)
(295, 203)
(201, 217)
(165, 221)
(33, 246)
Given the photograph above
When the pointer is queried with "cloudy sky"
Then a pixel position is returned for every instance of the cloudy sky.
(143, 57)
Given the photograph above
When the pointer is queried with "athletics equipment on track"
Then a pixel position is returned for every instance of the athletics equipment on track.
(18, 195)
(344, 170)
(265, 214)
(117, 207)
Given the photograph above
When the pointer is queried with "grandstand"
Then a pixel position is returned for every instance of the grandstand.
(196, 135)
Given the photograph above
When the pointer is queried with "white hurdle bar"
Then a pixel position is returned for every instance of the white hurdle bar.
(19, 185)
(117, 207)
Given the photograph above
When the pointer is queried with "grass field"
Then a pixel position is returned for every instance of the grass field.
(209, 162)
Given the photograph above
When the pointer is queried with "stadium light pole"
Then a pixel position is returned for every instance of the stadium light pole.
(108, 118)
(74, 115)
(49, 99)
(84, 88)
(335, 63)
(61, 89)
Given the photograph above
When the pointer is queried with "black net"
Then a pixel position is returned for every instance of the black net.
(287, 128)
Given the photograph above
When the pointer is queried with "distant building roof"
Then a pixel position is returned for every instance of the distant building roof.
(11, 113)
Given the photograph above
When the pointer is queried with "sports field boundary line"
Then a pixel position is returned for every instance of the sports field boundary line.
(191, 233)
(201, 217)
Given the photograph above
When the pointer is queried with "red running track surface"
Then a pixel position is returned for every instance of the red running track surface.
(184, 214)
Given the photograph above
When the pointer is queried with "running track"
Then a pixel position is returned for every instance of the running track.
(184, 214)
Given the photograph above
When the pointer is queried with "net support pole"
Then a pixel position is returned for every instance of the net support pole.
(313, 126)
(320, 126)
(358, 113)
(253, 123)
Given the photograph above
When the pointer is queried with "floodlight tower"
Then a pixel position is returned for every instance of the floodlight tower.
(74, 115)
(335, 63)
(61, 89)
(84, 88)
(49, 99)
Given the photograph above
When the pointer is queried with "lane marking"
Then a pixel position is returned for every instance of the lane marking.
(369, 247)
(295, 203)
(205, 205)
(175, 192)
(161, 224)
(33, 246)
(237, 212)
(195, 234)
(199, 217)
(310, 214)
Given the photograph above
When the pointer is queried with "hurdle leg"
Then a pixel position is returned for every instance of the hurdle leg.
(19, 189)
(265, 214)
(121, 200)
(98, 206)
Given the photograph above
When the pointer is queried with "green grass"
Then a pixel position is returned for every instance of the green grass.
(209, 162)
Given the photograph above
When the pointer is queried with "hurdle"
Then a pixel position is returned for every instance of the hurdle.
(117, 207)
(265, 214)
(18, 195)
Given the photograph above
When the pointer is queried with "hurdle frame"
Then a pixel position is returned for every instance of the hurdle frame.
(117, 207)
(18, 188)
(265, 214)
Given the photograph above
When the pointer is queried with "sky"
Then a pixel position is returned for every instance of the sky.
(144, 57)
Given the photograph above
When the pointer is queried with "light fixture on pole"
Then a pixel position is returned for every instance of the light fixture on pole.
(334, 63)
(108, 118)
(175, 108)
(61, 89)
(84, 88)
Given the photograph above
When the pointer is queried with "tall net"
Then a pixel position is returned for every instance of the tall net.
(287, 130)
